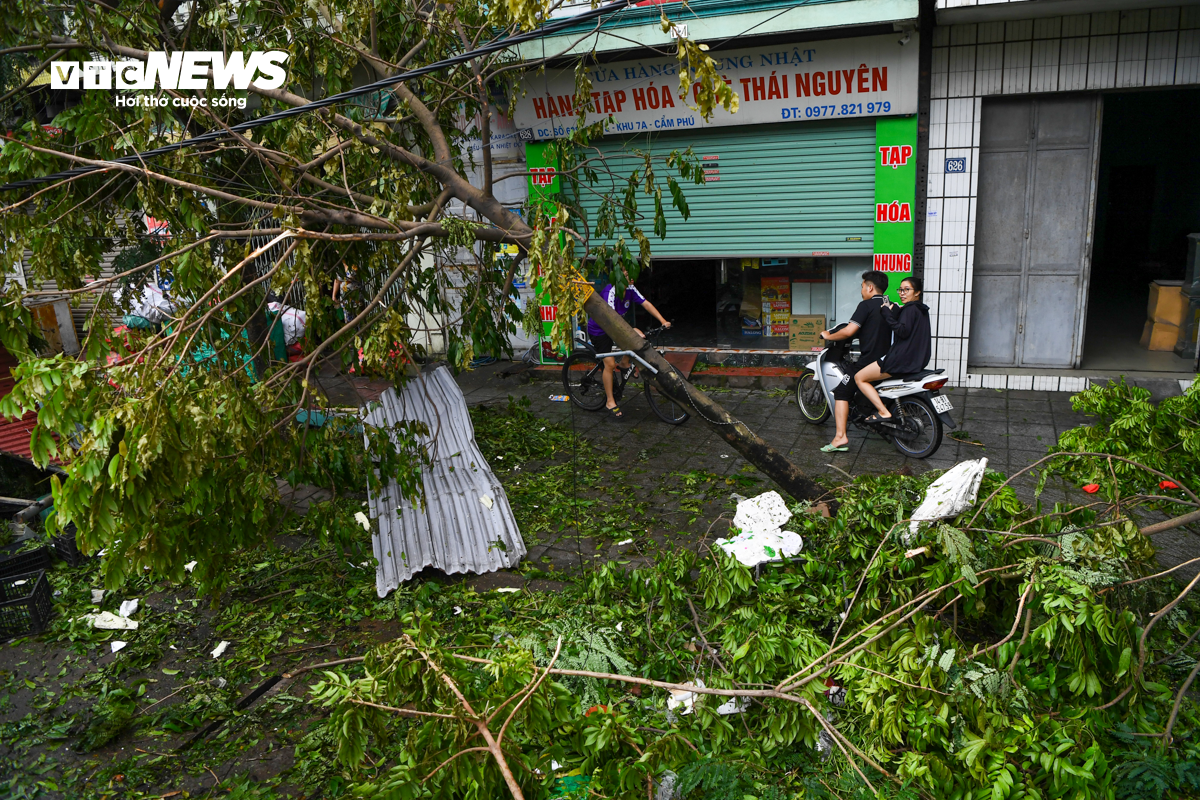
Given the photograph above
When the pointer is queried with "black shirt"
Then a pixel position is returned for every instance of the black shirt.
(874, 335)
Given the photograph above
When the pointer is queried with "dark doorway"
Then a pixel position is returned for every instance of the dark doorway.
(1147, 202)
(685, 292)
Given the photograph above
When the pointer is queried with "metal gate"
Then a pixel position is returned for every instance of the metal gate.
(1034, 226)
(770, 190)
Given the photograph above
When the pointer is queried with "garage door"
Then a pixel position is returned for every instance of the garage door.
(770, 190)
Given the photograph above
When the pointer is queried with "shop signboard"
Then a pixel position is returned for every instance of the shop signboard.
(895, 197)
(866, 76)
(543, 186)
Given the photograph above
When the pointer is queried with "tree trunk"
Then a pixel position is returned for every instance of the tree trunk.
(772, 463)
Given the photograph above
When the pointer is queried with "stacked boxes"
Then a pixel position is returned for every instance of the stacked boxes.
(776, 305)
(1164, 314)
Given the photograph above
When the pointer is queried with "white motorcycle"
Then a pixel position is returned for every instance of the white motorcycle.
(919, 410)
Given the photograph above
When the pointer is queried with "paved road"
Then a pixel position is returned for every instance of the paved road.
(1014, 427)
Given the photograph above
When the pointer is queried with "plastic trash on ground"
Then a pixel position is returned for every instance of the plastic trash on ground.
(734, 705)
(763, 514)
(950, 494)
(219, 649)
(118, 645)
(128, 608)
(682, 698)
(761, 539)
(108, 621)
(753, 549)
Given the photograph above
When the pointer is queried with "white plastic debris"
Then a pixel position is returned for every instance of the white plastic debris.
(487, 501)
(763, 514)
(683, 698)
(191, 565)
(554, 765)
(295, 321)
(508, 589)
(361, 519)
(734, 705)
(20, 583)
(108, 621)
(118, 645)
(97, 596)
(752, 549)
(950, 494)
(759, 519)
(219, 649)
(619, 628)
(128, 608)
(457, 610)
(221, 683)
(627, 541)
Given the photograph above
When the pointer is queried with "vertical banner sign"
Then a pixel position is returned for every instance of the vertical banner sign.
(543, 186)
(895, 197)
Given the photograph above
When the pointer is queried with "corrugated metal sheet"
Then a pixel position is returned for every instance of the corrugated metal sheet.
(466, 523)
(771, 190)
(14, 433)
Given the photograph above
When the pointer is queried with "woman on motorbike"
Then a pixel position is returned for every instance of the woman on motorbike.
(911, 344)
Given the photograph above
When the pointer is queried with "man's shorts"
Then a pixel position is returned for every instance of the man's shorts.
(847, 388)
(603, 344)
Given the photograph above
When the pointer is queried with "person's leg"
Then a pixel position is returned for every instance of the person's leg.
(841, 418)
(610, 366)
(863, 378)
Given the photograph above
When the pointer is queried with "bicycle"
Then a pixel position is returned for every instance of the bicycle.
(583, 374)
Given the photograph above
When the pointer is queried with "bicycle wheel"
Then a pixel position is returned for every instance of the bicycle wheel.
(582, 378)
(924, 436)
(667, 409)
(811, 399)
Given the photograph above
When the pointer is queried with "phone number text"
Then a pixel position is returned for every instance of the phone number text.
(843, 110)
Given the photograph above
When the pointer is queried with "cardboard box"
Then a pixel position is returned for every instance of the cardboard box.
(804, 332)
(751, 300)
(776, 290)
(1159, 335)
(1167, 303)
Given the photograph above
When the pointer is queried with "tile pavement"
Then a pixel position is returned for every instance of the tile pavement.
(1015, 428)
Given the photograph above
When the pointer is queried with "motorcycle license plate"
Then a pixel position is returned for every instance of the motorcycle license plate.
(941, 403)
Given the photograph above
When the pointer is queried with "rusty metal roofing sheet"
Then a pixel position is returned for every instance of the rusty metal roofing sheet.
(14, 433)
(466, 523)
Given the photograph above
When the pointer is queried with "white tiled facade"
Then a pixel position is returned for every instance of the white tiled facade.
(1105, 50)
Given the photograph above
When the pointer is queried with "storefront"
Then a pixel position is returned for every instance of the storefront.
(809, 184)
(1064, 183)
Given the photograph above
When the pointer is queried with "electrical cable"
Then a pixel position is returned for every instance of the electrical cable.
(499, 44)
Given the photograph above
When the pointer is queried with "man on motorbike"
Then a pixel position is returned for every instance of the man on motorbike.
(874, 337)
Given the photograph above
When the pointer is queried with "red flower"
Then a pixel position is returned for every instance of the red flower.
(1091, 488)
(593, 709)
(1168, 485)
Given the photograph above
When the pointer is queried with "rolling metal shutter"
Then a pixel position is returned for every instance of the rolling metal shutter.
(777, 190)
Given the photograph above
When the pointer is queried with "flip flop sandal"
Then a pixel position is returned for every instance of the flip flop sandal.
(876, 418)
(615, 413)
(831, 449)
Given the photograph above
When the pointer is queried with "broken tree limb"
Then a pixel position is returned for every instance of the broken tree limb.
(755, 450)
(1171, 524)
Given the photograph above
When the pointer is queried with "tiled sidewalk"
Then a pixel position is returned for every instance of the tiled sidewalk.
(1014, 427)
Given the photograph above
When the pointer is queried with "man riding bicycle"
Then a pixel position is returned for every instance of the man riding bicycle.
(604, 343)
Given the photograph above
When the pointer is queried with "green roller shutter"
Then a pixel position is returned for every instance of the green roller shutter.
(777, 190)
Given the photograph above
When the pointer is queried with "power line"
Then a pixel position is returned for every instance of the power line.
(500, 44)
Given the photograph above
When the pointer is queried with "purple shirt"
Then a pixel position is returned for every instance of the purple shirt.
(621, 305)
